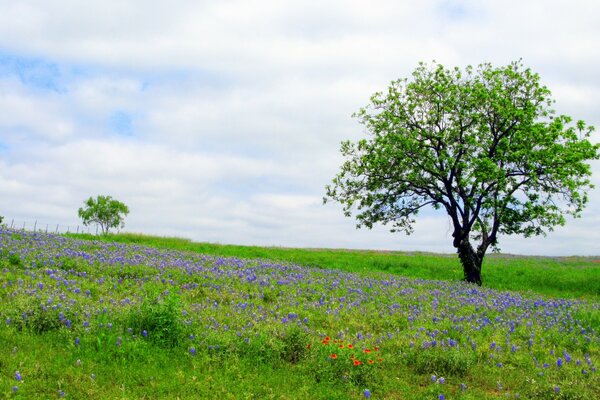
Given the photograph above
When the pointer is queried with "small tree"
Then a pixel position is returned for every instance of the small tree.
(104, 211)
(482, 144)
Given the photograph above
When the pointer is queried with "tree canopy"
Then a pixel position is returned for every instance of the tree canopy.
(104, 211)
(483, 144)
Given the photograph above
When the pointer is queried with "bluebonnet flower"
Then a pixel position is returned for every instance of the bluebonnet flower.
(367, 394)
(192, 351)
(18, 376)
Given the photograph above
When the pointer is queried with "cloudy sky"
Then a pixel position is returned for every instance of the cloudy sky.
(221, 120)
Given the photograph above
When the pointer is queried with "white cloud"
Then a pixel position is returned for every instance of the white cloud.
(235, 109)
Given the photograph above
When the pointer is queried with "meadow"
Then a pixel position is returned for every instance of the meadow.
(575, 276)
(168, 318)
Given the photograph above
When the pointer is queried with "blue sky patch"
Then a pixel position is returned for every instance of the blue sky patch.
(33, 72)
(453, 9)
(121, 123)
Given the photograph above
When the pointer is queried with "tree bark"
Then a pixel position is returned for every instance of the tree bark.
(471, 262)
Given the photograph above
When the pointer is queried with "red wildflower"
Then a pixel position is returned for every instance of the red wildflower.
(367, 350)
(356, 362)
(371, 361)
(350, 346)
(334, 356)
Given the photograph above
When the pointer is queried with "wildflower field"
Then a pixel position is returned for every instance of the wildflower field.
(99, 320)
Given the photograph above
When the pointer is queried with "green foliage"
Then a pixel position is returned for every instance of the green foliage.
(160, 317)
(295, 342)
(483, 144)
(104, 211)
(14, 259)
(440, 361)
(38, 318)
(333, 361)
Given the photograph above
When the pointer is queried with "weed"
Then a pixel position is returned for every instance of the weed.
(159, 320)
(295, 342)
(441, 361)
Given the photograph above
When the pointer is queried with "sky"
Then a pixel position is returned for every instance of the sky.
(221, 121)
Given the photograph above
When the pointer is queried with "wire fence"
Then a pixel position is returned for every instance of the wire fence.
(41, 226)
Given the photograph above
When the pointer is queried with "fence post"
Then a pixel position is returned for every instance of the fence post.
(78, 229)
(11, 223)
(46, 228)
(96, 230)
(56, 229)
(23, 226)
(35, 225)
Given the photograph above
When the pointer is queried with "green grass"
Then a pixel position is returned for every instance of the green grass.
(573, 277)
(173, 323)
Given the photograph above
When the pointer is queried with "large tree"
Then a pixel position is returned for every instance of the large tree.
(482, 143)
(104, 211)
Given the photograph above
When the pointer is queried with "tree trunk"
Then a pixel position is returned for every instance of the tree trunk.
(470, 261)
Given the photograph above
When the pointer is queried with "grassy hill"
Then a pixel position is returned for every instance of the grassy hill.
(575, 277)
(161, 318)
